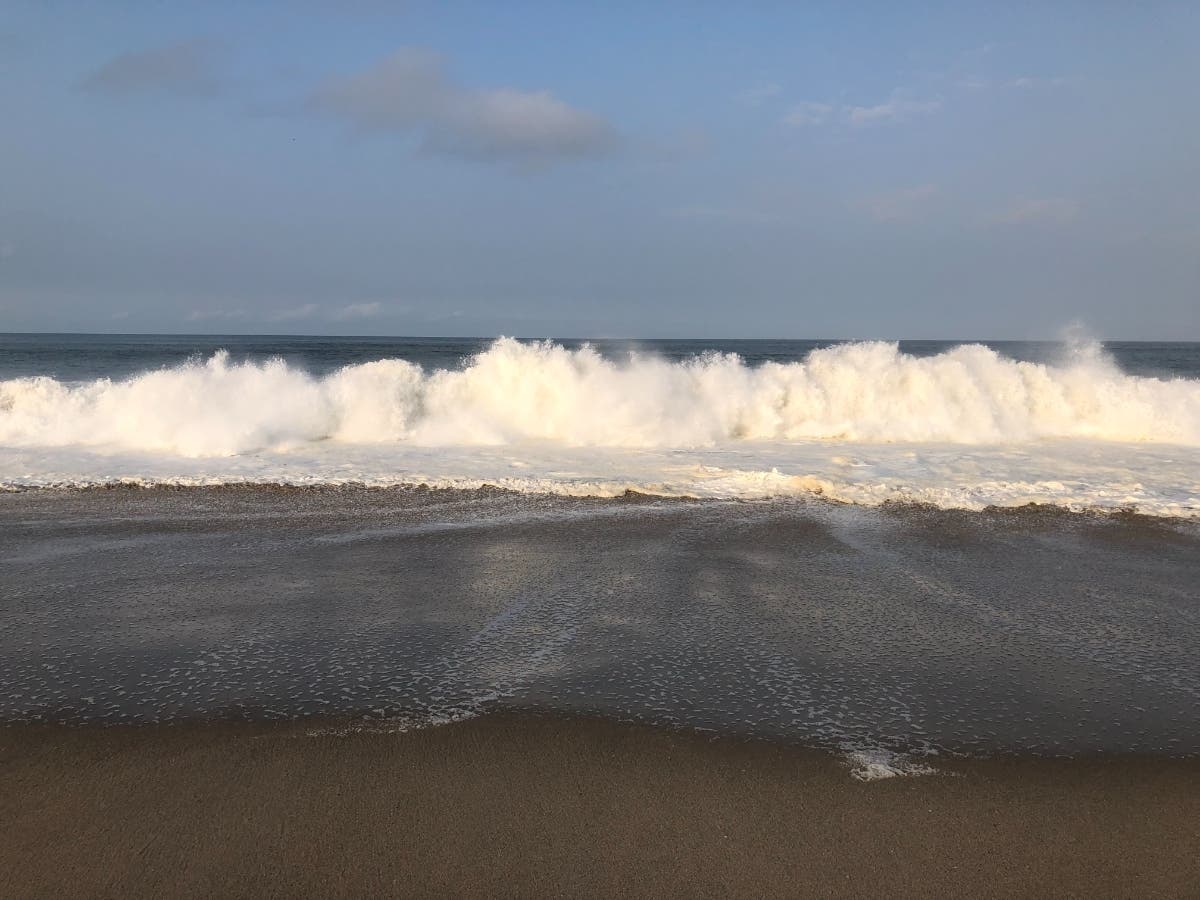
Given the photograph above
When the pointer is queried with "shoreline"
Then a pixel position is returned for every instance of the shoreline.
(529, 803)
(149, 488)
(905, 627)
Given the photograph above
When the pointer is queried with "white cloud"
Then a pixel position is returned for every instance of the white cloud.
(1043, 210)
(410, 92)
(902, 205)
(307, 311)
(807, 113)
(1026, 82)
(760, 93)
(896, 109)
(358, 311)
(296, 313)
(186, 68)
(201, 315)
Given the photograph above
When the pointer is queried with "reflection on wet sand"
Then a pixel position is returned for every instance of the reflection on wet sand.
(900, 630)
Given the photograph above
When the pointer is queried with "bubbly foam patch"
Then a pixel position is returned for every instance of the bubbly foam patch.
(860, 423)
(877, 764)
(516, 392)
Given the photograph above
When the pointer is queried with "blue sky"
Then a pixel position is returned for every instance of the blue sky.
(695, 169)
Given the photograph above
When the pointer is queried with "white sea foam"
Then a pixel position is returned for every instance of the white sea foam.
(876, 764)
(857, 422)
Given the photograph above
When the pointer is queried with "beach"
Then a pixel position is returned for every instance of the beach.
(599, 450)
(441, 644)
(266, 691)
(533, 805)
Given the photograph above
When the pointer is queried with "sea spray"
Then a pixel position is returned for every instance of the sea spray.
(517, 392)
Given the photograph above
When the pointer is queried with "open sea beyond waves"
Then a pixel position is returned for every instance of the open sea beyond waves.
(952, 424)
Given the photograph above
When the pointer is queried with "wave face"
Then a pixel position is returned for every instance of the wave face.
(518, 392)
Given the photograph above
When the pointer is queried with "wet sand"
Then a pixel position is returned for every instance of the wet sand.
(534, 805)
(165, 656)
(904, 628)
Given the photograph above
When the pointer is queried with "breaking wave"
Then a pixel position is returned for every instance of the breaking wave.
(519, 392)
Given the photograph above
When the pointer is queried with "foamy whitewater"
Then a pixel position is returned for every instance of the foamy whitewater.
(858, 422)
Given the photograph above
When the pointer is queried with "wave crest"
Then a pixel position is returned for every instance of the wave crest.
(515, 392)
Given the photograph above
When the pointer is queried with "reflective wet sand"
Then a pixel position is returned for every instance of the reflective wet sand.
(897, 630)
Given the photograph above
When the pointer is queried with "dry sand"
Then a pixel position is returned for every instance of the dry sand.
(529, 805)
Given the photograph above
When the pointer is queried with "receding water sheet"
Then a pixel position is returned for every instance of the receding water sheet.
(900, 629)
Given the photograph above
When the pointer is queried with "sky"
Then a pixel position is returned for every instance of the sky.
(698, 169)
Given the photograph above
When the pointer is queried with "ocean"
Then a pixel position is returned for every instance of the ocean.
(893, 552)
(1080, 425)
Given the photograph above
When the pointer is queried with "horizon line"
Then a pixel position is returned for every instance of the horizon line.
(574, 339)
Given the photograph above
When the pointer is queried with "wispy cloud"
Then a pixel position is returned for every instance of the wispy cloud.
(903, 205)
(899, 107)
(204, 315)
(350, 312)
(357, 311)
(410, 92)
(1024, 82)
(1028, 82)
(896, 109)
(982, 49)
(808, 113)
(1037, 210)
(187, 68)
(307, 311)
(760, 93)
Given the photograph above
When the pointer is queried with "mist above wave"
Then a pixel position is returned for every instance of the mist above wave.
(517, 392)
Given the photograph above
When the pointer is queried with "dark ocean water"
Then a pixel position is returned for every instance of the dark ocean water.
(79, 357)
